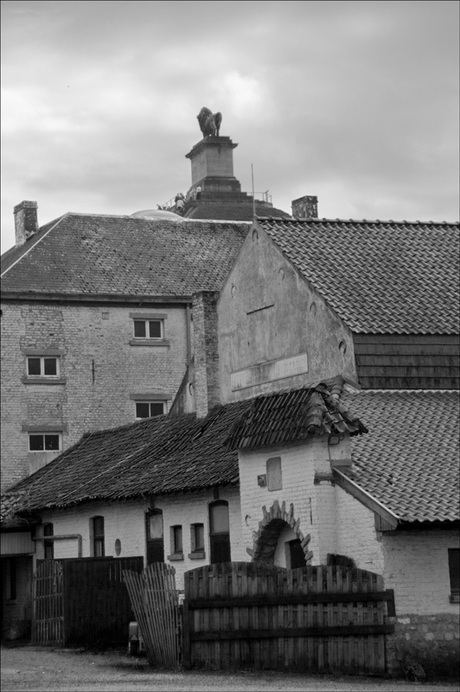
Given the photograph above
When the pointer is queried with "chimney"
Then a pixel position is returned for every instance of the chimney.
(305, 207)
(206, 357)
(25, 221)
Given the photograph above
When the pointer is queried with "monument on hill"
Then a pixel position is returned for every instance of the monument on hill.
(215, 192)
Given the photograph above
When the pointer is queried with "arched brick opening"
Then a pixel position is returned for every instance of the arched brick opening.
(266, 538)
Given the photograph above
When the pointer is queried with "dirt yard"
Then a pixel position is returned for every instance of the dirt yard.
(28, 668)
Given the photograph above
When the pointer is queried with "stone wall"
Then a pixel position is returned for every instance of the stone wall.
(424, 646)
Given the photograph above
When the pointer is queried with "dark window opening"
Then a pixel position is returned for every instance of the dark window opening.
(44, 442)
(154, 535)
(98, 537)
(454, 574)
(219, 534)
(177, 539)
(149, 409)
(197, 537)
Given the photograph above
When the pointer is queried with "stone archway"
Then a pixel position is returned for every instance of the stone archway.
(266, 538)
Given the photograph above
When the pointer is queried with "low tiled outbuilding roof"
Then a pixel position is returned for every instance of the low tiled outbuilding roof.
(285, 417)
(123, 256)
(379, 276)
(409, 461)
(175, 454)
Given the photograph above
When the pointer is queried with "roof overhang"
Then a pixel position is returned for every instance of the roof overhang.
(97, 298)
(390, 519)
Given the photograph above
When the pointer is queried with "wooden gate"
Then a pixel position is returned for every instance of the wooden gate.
(253, 615)
(48, 603)
(82, 601)
(156, 606)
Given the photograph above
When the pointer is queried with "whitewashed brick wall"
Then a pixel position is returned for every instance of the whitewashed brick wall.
(313, 503)
(356, 535)
(416, 567)
(126, 521)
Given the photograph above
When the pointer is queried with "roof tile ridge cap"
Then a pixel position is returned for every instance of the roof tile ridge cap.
(51, 228)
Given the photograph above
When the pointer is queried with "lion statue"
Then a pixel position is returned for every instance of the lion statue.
(209, 122)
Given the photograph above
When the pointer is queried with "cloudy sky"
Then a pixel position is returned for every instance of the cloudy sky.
(355, 102)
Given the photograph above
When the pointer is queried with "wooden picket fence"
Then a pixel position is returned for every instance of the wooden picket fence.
(155, 603)
(253, 615)
(82, 601)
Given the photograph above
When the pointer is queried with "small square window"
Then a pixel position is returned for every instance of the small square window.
(148, 329)
(43, 366)
(44, 442)
(149, 409)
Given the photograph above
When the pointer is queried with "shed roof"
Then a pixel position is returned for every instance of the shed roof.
(379, 276)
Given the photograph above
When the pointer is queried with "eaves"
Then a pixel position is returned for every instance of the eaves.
(96, 298)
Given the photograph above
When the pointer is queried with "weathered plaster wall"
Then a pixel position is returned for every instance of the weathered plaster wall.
(100, 366)
(267, 312)
(126, 521)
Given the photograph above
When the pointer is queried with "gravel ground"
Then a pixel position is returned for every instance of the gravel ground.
(29, 668)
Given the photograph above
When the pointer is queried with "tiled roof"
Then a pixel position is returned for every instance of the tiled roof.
(284, 417)
(379, 276)
(122, 255)
(171, 454)
(409, 461)
(159, 455)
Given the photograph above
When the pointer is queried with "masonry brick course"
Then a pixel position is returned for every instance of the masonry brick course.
(98, 363)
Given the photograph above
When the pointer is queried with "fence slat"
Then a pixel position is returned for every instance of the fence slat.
(313, 618)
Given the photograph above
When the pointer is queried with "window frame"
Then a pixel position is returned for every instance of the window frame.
(197, 539)
(147, 328)
(177, 541)
(42, 374)
(149, 404)
(44, 435)
(97, 536)
(219, 540)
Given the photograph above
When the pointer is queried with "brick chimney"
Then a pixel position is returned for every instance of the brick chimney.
(206, 357)
(25, 221)
(305, 207)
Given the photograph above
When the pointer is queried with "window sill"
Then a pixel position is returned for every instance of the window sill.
(43, 380)
(454, 598)
(149, 342)
(176, 557)
(198, 555)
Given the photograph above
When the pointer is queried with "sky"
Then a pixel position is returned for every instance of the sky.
(354, 102)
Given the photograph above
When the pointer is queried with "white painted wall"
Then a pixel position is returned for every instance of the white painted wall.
(416, 567)
(126, 521)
